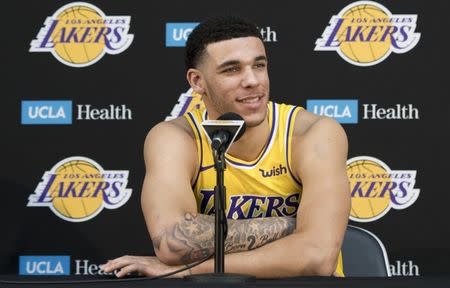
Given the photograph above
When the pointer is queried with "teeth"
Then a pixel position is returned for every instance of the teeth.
(250, 100)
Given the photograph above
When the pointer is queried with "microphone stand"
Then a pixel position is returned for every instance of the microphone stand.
(219, 213)
(221, 228)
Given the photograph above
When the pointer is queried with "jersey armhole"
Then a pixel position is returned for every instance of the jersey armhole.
(191, 120)
(290, 122)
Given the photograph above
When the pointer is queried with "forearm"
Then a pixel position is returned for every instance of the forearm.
(278, 259)
(192, 237)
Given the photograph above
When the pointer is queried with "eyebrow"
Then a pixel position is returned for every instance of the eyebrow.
(235, 62)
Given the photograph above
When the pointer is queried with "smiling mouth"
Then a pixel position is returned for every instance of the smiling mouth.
(250, 99)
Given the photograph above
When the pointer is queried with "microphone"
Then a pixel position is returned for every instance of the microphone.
(222, 136)
(228, 128)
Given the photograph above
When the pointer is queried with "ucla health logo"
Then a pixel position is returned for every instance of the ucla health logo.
(44, 265)
(79, 34)
(177, 33)
(376, 188)
(343, 111)
(77, 189)
(365, 33)
(46, 112)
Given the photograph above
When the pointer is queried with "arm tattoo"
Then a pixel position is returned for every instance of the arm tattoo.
(249, 234)
(193, 237)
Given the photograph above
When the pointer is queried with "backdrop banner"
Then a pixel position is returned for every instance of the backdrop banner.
(84, 82)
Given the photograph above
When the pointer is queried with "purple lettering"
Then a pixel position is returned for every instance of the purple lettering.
(372, 32)
(72, 34)
(390, 33)
(291, 202)
(274, 204)
(207, 196)
(43, 195)
(357, 189)
(388, 186)
(85, 188)
(403, 190)
(101, 187)
(48, 35)
(87, 33)
(117, 32)
(255, 207)
(358, 33)
(71, 189)
(116, 187)
(236, 206)
(103, 33)
(371, 188)
(404, 33)
(333, 34)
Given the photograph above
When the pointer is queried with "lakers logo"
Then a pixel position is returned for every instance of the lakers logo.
(375, 188)
(186, 102)
(79, 34)
(365, 33)
(77, 189)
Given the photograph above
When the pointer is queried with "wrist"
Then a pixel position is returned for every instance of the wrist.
(205, 267)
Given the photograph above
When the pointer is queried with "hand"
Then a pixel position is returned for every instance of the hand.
(144, 265)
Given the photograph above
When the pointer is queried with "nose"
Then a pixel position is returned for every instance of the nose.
(250, 78)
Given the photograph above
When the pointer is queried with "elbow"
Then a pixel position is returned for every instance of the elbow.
(326, 267)
(168, 257)
(166, 251)
(323, 262)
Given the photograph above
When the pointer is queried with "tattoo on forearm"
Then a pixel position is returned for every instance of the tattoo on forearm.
(253, 233)
(193, 237)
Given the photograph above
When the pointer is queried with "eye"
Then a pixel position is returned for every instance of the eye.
(231, 69)
(260, 65)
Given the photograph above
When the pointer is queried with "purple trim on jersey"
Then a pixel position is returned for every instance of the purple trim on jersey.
(204, 168)
(287, 145)
(201, 146)
(272, 129)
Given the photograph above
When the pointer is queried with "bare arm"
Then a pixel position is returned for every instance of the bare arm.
(178, 233)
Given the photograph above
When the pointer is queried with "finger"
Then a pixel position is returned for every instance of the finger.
(129, 269)
(117, 264)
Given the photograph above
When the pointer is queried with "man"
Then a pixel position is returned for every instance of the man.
(288, 158)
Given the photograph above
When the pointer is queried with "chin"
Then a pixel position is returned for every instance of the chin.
(255, 119)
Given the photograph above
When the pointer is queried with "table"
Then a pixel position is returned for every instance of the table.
(15, 281)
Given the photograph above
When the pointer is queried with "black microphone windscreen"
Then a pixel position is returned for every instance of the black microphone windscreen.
(234, 116)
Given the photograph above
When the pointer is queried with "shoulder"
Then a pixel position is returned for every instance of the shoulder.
(318, 138)
(172, 137)
(309, 125)
(166, 130)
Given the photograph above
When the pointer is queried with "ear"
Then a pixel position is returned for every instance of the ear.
(195, 79)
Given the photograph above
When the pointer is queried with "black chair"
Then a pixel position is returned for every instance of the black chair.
(363, 254)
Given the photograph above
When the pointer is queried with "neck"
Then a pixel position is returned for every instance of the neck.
(252, 142)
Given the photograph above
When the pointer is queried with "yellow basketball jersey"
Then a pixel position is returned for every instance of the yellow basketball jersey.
(264, 187)
(260, 188)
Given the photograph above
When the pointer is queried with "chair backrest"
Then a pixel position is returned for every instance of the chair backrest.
(364, 254)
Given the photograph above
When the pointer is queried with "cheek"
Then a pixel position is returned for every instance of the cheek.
(223, 90)
(264, 80)
(226, 84)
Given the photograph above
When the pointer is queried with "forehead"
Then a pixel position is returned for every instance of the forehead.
(240, 49)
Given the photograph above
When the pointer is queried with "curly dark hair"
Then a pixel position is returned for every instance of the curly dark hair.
(214, 30)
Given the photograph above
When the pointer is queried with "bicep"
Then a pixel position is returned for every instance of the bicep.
(325, 203)
(170, 158)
